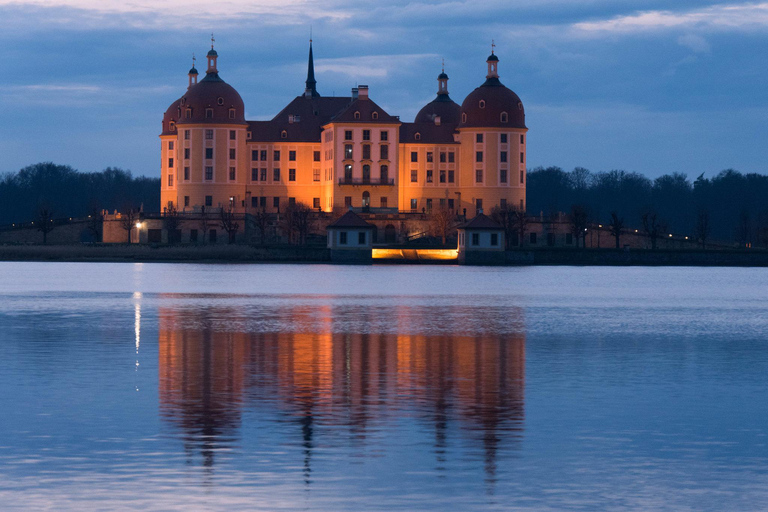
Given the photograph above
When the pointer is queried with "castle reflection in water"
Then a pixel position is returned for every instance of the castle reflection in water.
(215, 363)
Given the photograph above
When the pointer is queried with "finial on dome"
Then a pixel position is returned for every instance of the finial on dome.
(213, 40)
(193, 72)
(493, 46)
(212, 57)
(493, 63)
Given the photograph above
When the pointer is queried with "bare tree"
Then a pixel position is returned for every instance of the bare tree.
(703, 227)
(653, 226)
(299, 217)
(229, 224)
(744, 229)
(578, 219)
(128, 220)
(520, 223)
(173, 222)
(96, 224)
(203, 224)
(45, 222)
(441, 222)
(615, 226)
(261, 220)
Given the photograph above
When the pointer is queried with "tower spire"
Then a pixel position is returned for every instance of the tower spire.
(311, 89)
(212, 58)
(442, 80)
(193, 72)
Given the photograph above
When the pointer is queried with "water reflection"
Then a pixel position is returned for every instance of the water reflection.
(324, 385)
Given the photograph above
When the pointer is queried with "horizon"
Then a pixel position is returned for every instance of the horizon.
(606, 84)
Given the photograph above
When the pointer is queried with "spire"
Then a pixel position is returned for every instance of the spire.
(212, 58)
(311, 90)
(193, 72)
(493, 63)
(442, 80)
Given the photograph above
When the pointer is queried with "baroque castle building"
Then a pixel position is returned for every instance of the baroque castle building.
(341, 152)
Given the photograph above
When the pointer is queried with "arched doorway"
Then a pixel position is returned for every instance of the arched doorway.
(366, 201)
(390, 235)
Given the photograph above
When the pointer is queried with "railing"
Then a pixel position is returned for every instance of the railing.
(367, 181)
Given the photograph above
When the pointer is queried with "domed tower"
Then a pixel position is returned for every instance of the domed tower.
(209, 162)
(493, 137)
(441, 110)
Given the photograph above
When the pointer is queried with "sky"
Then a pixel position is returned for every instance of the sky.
(648, 86)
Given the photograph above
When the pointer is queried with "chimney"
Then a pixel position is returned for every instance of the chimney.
(354, 93)
(437, 120)
(363, 92)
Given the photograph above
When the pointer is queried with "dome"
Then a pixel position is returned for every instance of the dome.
(485, 107)
(171, 116)
(212, 53)
(215, 94)
(443, 106)
(492, 58)
(193, 71)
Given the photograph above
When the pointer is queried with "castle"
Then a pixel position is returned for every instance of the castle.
(341, 152)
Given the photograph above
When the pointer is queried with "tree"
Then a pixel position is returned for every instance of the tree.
(744, 229)
(441, 222)
(173, 222)
(702, 228)
(261, 220)
(203, 224)
(615, 226)
(45, 222)
(504, 217)
(127, 220)
(520, 223)
(299, 218)
(96, 224)
(652, 226)
(578, 219)
(229, 224)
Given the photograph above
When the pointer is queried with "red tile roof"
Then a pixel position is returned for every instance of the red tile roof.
(351, 220)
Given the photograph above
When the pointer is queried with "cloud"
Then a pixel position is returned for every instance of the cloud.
(378, 66)
(695, 42)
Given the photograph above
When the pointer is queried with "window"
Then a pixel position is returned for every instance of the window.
(291, 174)
(276, 203)
(220, 100)
(170, 163)
(366, 151)
(316, 156)
(383, 202)
(450, 176)
(208, 153)
(291, 201)
(209, 173)
(255, 155)
(231, 113)
(479, 176)
(522, 157)
(188, 113)
(375, 115)
(451, 204)
(430, 156)
(482, 104)
(502, 175)
(522, 176)
(292, 156)
(503, 138)
(170, 145)
(479, 138)
(208, 134)
(504, 117)
(414, 175)
(186, 201)
(347, 134)
(478, 205)
(414, 156)
(208, 200)
(384, 174)
(186, 174)
(494, 239)
(366, 173)
(209, 113)
(348, 172)
(232, 154)
(503, 156)
(414, 204)
(429, 176)
(186, 153)
(532, 238)
(263, 154)
(262, 175)
(384, 149)
(451, 157)
(366, 134)
(347, 201)
(254, 175)
(315, 174)
(417, 136)
(384, 136)
(348, 151)
(429, 205)
(316, 203)
(463, 118)
(254, 202)
(503, 204)
(479, 156)
(343, 237)
(361, 238)
(357, 115)
(186, 134)
(232, 173)
(442, 157)
(522, 139)
(275, 174)
(284, 134)
(263, 202)
(276, 156)
(232, 135)
(170, 180)
(248, 135)
(442, 176)
(475, 238)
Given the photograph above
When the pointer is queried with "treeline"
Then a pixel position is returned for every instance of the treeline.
(65, 192)
(730, 206)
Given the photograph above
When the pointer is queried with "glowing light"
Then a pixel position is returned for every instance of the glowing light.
(138, 225)
(670, 235)
(415, 254)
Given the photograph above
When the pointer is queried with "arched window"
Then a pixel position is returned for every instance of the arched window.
(220, 101)
(519, 106)
(463, 118)
(375, 115)
(366, 174)
(504, 117)
(231, 113)
(417, 136)
(357, 115)
(482, 103)
(172, 126)
(284, 134)
(384, 174)
(366, 200)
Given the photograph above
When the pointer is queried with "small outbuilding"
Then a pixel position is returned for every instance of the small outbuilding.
(481, 242)
(350, 239)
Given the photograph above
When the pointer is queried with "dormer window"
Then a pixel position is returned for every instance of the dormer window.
(504, 117)
(188, 113)
(375, 115)
(231, 113)
(209, 113)
(519, 106)
(172, 126)
(248, 135)
(220, 101)
(482, 103)
(417, 136)
(183, 101)
(357, 115)
(284, 134)
(463, 118)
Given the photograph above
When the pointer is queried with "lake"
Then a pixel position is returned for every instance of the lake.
(322, 387)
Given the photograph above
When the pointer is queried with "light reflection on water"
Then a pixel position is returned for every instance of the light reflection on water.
(580, 396)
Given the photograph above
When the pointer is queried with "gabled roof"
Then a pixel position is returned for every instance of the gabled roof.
(312, 114)
(351, 220)
(429, 133)
(482, 221)
(366, 107)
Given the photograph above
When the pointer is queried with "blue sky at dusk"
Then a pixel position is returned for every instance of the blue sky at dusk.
(647, 86)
